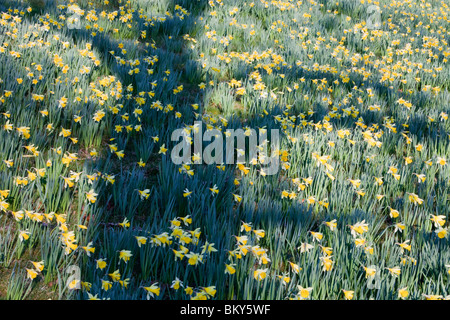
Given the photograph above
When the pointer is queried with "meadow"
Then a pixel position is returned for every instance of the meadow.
(93, 207)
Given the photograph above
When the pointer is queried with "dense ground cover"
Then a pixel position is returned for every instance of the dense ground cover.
(92, 205)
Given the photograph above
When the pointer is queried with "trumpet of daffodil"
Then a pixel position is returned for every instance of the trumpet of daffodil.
(327, 250)
(110, 179)
(259, 233)
(125, 223)
(186, 220)
(309, 200)
(75, 175)
(242, 239)
(163, 239)
(395, 271)
(86, 285)
(141, 240)
(141, 163)
(63, 228)
(348, 294)
(360, 193)
(211, 291)
(355, 183)
(399, 227)
(393, 213)
(186, 193)
(91, 196)
(379, 180)
(317, 236)
(285, 194)
(4, 205)
(101, 264)
(260, 274)
(305, 247)
(177, 232)
(202, 295)
(178, 254)
(185, 238)
(304, 293)
(24, 235)
(442, 232)
(120, 154)
(92, 178)
(125, 255)
(246, 226)
(31, 175)
(98, 116)
(41, 172)
(359, 228)
(74, 284)
(438, 221)
(68, 182)
(285, 279)
(235, 253)
(359, 242)
(124, 283)
(421, 177)
(404, 246)
(115, 276)
(39, 266)
(89, 249)
(175, 223)
(432, 296)
(403, 293)
(327, 263)
(106, 285)
(92, 297)
(331, 224)
(18, 215)
(408, 160)
(176, 284)
(214, 190)
(264, 259)
(448, 268)
(189, 290)
(208, 247)
(31, 274)
(9, 163)
(258, 251)
(237, 198)
(370, 271)
(194, 258)
(60, 218)
(414, 198)
(230, 268)
(243, 250)
(163, 149)
(65, 133)
(49, 217)
(144, 194)
(153, 289)
(295, 267)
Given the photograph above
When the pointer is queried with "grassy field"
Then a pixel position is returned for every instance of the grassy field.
(93, 207)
